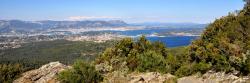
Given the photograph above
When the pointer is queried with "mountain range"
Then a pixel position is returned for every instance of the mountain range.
(32, 26)
(19, 26)
(172, 25)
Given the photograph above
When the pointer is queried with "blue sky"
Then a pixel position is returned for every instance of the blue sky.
(132, 11)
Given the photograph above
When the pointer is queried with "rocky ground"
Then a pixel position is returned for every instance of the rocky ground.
(48, 74)
(45, 74)
(214, 77)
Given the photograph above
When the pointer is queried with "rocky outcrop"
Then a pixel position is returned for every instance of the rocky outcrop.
(212, 77)
(48, 74)
(150, 77)
(154, 77)
(45, 74)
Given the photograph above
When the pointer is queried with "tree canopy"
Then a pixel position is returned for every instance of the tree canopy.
(225, 43)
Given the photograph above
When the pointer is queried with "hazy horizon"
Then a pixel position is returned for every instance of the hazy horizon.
(130, 11)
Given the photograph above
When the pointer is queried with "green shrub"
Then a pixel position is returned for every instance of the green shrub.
(141, 55)
(184, 70)
(246, 69)
(151, 61)
(201, 67)
(221, 64)
(9, 72)
(145, 56)
(172, 63)
(81, 72)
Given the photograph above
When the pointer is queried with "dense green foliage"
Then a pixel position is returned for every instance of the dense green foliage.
(81, 72)
(13, 62)
(145, 56)
(225, 44)
(140, 55)
(9, 72)
(33, 55)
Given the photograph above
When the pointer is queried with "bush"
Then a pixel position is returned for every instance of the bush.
(151, 61)
(221, 63)
(141, 55)
(184, 70)
(81, 72)
(9, 72)
(172, 63)
(201, 67)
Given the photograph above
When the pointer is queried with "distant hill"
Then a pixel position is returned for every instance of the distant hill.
(31, 26)
(172, 25)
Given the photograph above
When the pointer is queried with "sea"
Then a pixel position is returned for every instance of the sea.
(169, 41)
(174, 41)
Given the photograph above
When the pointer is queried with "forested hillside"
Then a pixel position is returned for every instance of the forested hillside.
(33, 55)
(39, 53)
(225, 44)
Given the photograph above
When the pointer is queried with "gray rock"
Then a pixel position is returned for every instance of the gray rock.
(214, 77)
(190, 79)
(45, 74)
(150, 77)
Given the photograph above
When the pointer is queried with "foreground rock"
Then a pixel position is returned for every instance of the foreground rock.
(48, 74)
(154, 77)
(212, 77)
(150, 77)
(45, 74)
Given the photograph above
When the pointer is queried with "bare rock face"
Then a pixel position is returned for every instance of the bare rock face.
(155, 77)
(190, 79)
(150, 77)
(214, 77)
(45, 74)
